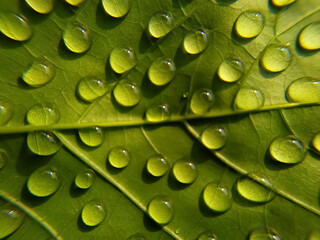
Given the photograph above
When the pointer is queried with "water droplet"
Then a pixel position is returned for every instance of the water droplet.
(127, 93)
(77, 38)
(3, 158)
(157, 165)
(207, 236)
(316, 142)
(41, 6)
(160, 24)
(195, 42)
(116, 8)
(92, 136)
(248, 99)
(44, 182)
(281, 3)
(309, 37)
(122, 59)
(304, 90)
(43, 143)
(91, 88)
(42, 115)
(201, 101)
(75, 2)
(217, 198)
(6, 111)
(11, 218)
(177, 231)
(119, 157)
(15, 26)
(276, 58)
(84, 179)
(137, 237)
(185, 171)
(230, 70)
(158, 113)
(39, 73)
(185, 95)
(314, 235)
(263, 234)
(93, 213)
(214, 137)
(249, 24)
(160, 209)
(287, 149)
(161, 71)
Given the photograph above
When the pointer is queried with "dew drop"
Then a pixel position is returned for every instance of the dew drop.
(316, 142)
(116, 8)
(3, 158)
(217, 198)
(276, 58)
(84, 179)
(160, 24)
(304, 90)
(119, 157)
(91, 88)
(230, 70)
(160, 209)
(11, 218)
(92, 136)
(127, 93)
(122, 59)
(77, 38)
(248, 99)
(6, 111)
(15, 26)
(207, 236)
(287, 149)
(185, 171)
(281, 3)
(195, 42)
(201, 101)
(44, 182)
(314, 235)
(39, 73)
(93, 213)
(42, 115)
(309, 37)
(158, 113)
(43, 143)
(263, 234)
(157, 165)
(136, 237)
(249, 24)
(75, 2)
(41, 6)
(161, 71)
(214, 137)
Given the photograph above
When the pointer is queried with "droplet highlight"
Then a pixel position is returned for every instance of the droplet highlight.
(92, 136)
(230, 70)
(214, 137)
(309, 37)
(185, 171)
(158, 113)
(248, 99)
(201, 101)
(195, 42)
(217, 198)
(157, 165)
(43, 143)
(39, 73)
(304, 90)
(263, 234)
(122, 59)
(41, 6)
(160, 24)
(42, 115)
(90, 88)
(249, 24)
(281, 3)
(116, 8)
(77, 38)
(160, 209)
(11, 218)
(276, 58)
(161, 71)
(6, 111)
(127, 93)
(15, 26)
(207, 236)
(84, 179)
(93, 213)
(119, 157)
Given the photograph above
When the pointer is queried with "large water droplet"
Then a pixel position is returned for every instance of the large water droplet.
(122, 59)
(158, 113)
(77, 38)
(195, 42)
(287, 149)
(263, 234)
(230, 70)
(39, 73)
(11, 218)
(217, 198)
(201, 101)
(127, 93)
(3, 158)
(119, 157)
(249, 24)
(162, 71)
(84, 179)
(6, 111)
(304, 90)
(276, 58)
(41, 6)
(116, 8)
(91, 88)
(160, 209)
(42, 115)
(314, 235)
(316, 142)
(309, 37)
(44, 182)
(214, 137)
(92, 137)
(185, 171)
(74, 2)
(207, 236)
(15, 26)
(281, 3)
(93, 213)
(157, 165)
(160, 24)
(43, 143)
(136, 237)
(248, 99)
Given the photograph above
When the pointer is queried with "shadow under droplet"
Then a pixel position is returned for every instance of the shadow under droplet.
(225, 2)
(205, 211)
(148, 89)
(75, 192)
(104, 20)
(65, 10)
(31, 200)
(145, 42)
(147, 177)
(83, 227)
(239, 40)
(33, 16)
(304, 52)
(66, 54)
(149, 224)
(273, 165)
(174, 184)
(112, 170)
(6, 42)
(183, 58)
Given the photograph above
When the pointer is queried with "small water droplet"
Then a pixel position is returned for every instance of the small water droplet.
(11, 218)
(44, 182)
(314, 235)
(77, 38)
(116, 8)
(217, 198)
(92, 136)
(75, 2)
(316, 142)
(158, 113)
(127, 93)
(281, 3)
(42, 115)
(119, 157)
(287, 149)
(304, 90)
(136, 237)
(214, 137)
(248, 99)
(157, 165)
(263, 234)
(15, 26)
(309, 37)
(43, 143)
(230, 70)
(161, 71)
(84, 179)
(41, 6)
(6, 111)
(276, 58)
(160, 209)
(185, 171)
(160, 24)
(3, 158)
(122, 59)
(201, 101)
(195, 42)
(93, 213)
(207, 236)
(91, 88)
(249, 24)
(39, 73)
(185, 95)
(177, 231)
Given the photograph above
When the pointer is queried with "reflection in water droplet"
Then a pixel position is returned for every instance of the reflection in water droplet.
(93, 213)
(158, 113)
(249, 24)
(84, 179)
(41, 6)
(185, 171)
(42, 115)
(74, 2)
(230, 70)
(119, 157)
(43, 143)
(116, 8)
(92, 136)
(195, 42)
(160, 209)
(44, 182)
(248, 99)
(263, 234)
(217, 198)
(281, 3)
(161, 71)
(127, 93)
(309, 37)
(11, 218)
(136, 237)
(201, 101)
(157, 165)
(39, 73)
(15, 26)
(314, 235)
(316, 142)
(3, 158)
(77, 38)
(91, 88)
(6, 111)
(304, 90)
(287, 149)
(122, 59)
(160, 24)
(276, 58)
(207, 236)
(214, 137)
